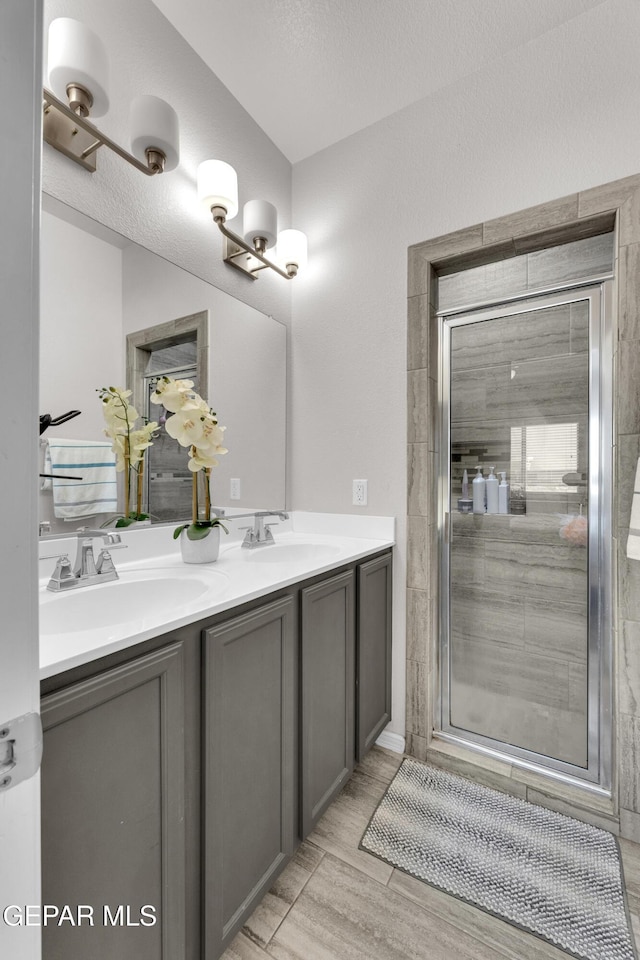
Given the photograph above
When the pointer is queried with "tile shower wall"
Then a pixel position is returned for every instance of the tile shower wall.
(512, 373)
(533, 271)
(524, 233)
(509, 374)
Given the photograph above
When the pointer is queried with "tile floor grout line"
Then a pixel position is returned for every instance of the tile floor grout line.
(291, 905)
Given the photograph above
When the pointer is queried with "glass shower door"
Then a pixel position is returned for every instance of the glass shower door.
(524, 571)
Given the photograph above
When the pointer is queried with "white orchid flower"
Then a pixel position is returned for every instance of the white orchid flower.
(212, 433)
(118, 414)
(118, 447)
(139, 440)
(173, 394)
(200, 460)
(185, 426)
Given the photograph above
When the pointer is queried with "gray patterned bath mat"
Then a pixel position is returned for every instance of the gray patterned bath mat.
(548, 874)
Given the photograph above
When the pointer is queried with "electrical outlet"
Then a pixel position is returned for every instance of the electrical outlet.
(234, 491)
(360, 493)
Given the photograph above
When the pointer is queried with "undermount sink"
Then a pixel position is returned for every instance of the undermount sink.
(139, 598)
(291, 552)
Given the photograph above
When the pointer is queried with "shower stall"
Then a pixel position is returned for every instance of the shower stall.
(525, 593)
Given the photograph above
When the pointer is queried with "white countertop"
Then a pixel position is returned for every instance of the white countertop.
(152, 558)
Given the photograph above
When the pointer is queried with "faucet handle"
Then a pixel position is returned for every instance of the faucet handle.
(105, 565)
(113, 539)
(61, 574)
(63, 569)
(268, 536)
(249, 537)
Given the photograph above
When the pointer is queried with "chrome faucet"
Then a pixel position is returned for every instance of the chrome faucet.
(260, 534)
(86, 569)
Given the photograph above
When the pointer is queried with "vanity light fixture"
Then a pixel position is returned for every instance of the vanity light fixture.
(218, 192)
(78, 72)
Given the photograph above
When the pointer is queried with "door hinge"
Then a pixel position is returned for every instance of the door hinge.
(20, 749)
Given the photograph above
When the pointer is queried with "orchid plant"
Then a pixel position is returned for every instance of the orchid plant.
(195, 426)
(129, 443)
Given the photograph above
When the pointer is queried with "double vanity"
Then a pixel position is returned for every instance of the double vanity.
(198, 720)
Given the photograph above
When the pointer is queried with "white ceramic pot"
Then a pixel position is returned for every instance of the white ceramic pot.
(205, 550)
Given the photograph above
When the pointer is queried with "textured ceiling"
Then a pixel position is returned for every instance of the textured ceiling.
(311, 72)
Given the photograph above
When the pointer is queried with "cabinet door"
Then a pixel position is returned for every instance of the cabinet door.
(373, 656)
(249, 764)
(113, 800)
(327, 693)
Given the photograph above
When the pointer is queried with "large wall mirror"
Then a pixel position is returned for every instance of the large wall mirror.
(99, 289)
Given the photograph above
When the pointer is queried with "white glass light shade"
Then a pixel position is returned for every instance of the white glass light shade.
(292, 248)
(77, 56)
(218, 186)
(154, 124)
(260, 219)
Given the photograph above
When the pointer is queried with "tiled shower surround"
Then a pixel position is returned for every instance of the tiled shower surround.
(487, 253)
(512, 678)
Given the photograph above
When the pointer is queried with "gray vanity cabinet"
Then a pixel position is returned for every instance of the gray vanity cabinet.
(113, 810)
(373, 652)
(249, 763)
(327, 693)
(179, 774)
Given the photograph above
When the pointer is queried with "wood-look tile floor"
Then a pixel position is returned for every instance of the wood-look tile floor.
(335, 902)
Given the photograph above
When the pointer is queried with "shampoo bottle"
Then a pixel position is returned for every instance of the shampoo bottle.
(492, 492)
(503, 493)
(478, 485)
(465, 504)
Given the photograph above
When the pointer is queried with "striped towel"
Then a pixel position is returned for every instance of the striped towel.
(96, 491)
(633, 541)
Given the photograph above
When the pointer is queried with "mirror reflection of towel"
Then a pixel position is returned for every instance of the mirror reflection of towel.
(633, 540)
(96, 489)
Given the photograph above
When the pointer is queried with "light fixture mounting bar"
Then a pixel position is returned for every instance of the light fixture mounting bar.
(78, 138)
(236, 250)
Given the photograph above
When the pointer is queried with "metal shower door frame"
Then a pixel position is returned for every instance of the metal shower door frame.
(597, 774)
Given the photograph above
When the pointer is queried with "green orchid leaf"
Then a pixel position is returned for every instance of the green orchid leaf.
(124, 522)
(178, 530)
(198, 531)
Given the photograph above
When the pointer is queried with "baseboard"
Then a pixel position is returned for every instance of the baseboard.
(391, 741)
